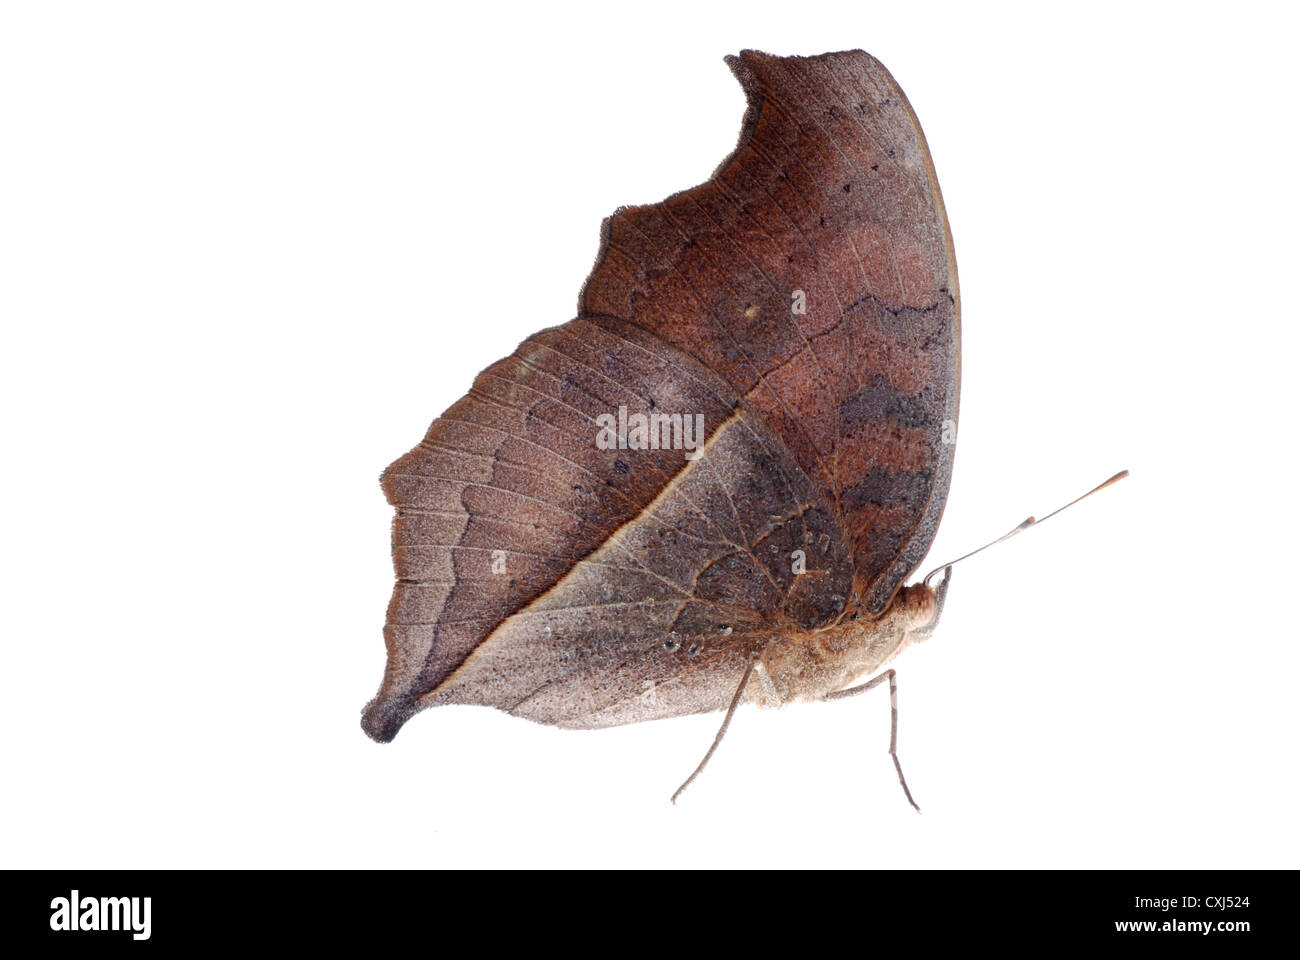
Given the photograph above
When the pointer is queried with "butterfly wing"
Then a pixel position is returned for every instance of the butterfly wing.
(831, 192)
(803, 303)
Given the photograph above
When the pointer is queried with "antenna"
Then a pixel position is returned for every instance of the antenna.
(1028, 522)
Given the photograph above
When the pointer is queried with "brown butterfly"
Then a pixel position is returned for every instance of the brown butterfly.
(710, 486)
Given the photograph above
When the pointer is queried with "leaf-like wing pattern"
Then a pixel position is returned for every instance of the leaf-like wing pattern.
(802, 303)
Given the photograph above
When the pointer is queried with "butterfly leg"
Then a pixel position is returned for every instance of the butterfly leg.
(893, 720)
(726, 722)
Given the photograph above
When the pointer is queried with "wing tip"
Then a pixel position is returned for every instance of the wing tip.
(383, 717)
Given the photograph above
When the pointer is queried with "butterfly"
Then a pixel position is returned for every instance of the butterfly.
(711, 485)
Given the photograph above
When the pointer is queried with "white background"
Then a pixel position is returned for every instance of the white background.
(250, 250)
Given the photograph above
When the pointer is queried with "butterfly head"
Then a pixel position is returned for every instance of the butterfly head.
(921, 605)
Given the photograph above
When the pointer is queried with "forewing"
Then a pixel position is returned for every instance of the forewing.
(830, 192)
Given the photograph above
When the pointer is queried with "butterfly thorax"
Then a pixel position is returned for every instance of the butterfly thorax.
(808, 665)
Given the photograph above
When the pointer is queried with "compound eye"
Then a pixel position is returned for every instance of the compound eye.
(920, 606)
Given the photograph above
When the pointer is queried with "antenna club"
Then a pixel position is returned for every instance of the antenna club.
(1029, 522)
